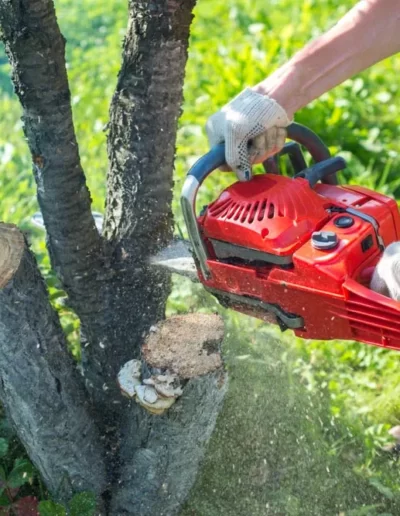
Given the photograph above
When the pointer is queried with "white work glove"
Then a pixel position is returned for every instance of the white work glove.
(386, 277)
(252, 126)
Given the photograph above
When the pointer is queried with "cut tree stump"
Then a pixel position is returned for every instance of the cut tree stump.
(161, 459)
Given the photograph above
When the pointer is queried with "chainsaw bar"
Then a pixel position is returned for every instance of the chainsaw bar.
(177, 258)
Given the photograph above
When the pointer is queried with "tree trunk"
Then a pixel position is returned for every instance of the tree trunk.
(139, 463)
(138, 215)
(141, 147)
(40, 388)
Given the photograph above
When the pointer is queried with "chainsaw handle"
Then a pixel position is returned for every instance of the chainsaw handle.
(311, 141)
(214, 159)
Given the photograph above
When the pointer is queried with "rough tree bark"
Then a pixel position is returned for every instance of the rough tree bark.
(142, 463)
(42, 393)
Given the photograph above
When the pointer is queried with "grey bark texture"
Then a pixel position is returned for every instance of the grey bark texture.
(41, 389)
(162, 454)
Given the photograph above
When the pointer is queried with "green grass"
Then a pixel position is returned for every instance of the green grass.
(290, 440)
(304, 421)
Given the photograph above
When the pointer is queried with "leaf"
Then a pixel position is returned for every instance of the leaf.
(366, 510)
(3, 447)
(26, 506)
(83, 504)
(381, 488)
(49, 508)
(22, 473)
(4, 500)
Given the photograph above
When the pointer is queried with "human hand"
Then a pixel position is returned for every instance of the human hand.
(252, 126)
(386, 277)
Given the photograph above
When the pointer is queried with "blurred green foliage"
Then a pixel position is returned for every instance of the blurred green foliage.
(316, 413)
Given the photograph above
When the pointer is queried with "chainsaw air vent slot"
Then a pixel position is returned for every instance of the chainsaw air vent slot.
(246, 212)
(253, 212)
(232, 209)
(268, 210)
(239, 212)
(261, 213)
(221, 208)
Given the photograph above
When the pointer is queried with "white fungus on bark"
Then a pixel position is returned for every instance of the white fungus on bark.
(129, 377)
(156, 394)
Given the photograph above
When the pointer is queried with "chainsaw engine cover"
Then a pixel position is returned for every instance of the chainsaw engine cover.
(271, 214)
(268, 257)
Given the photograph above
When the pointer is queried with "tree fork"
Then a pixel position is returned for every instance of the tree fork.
(40, 387)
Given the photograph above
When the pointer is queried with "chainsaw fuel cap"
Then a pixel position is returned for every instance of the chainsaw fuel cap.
(324, 240)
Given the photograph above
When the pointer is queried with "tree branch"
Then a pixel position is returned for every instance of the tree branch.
(143, 122)
(35, 48)
(40, 388)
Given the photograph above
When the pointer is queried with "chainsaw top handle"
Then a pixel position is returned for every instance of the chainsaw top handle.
(216, 158)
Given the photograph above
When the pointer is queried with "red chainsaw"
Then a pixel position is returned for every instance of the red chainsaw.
(296, 251)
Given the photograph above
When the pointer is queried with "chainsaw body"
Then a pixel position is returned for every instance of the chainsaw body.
(297, 251)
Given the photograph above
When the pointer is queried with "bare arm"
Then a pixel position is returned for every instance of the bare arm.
(368, 33)
(251, 124)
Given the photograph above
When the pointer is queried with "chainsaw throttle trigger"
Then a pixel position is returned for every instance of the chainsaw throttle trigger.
(322, 170)
(291, 149)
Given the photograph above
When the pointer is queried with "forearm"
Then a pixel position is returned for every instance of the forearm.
(367, 34)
